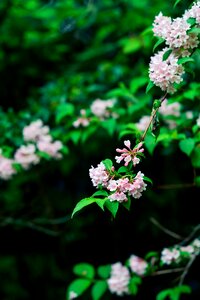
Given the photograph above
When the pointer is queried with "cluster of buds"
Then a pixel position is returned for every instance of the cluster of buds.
(37, 138)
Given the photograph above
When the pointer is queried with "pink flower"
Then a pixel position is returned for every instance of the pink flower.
(51, 148)
(101, 108)
(138, 265)
(119, 279)
(99, 175)
(118, 196)
(170, 255)
(138, 186)
(6, 168)
(170, 109)
(26, 156)
(83, 120)
(34, 131)
(164, 73)
(128, 154)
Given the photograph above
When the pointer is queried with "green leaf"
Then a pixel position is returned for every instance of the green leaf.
(195, 30)
(122, 169)
(191, 21)
(133, 284)
(167, 54)
(148, 179)
(112, 207)
(163, 294)
(100, 193)
(84, 270)
(151, 254)
(150, 143)
(83, 203)
(195, 156)
(98, 289)
(127, 204)
(108, 164)
(177, 2)
(187, 145)
(75, 136)
(78, 287)
(197, 181)
(104, 271)
(184, 60)
(109, 125)
(149, 86)
(158, 43)
(64, 109)
(101, 203)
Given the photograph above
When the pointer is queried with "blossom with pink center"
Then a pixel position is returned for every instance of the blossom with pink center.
(170, 255)
(101, 108)
(119, 280)
(138, 265)
(83, 120)
(6, 167)
(99, 175)
(26, 156)
(128, 154)
(51, 148)
(138, 186)
(34, 131)
(164, 73)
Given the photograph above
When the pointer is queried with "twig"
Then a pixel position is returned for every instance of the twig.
(153, 114)
(168, 271)
(191, 235)
(176, 186)
(167, 231)
(186, 270)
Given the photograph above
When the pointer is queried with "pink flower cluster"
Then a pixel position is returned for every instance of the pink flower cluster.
(99, 175)
(164, 73)
(128, 154)
(174, 254)
(119, 279)
(122, 187)
(125, 186)
(6, 167)
(177, 36)
(38, 138)
(102, 108)
(138, 265)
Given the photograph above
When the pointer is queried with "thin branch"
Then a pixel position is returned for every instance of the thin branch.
(191, 235)
(153, 114)
(187, 268)
(164, 229)
(168, 271)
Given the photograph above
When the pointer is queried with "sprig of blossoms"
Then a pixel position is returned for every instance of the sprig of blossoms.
(181, 40)
(119, 279)
(37, 138)
(120, 187)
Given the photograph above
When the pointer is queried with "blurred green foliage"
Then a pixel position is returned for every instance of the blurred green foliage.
(57, 57)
